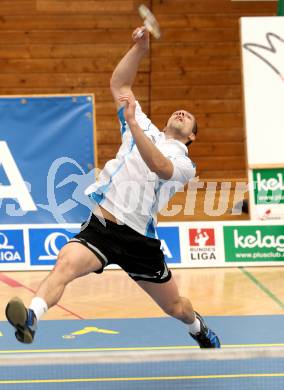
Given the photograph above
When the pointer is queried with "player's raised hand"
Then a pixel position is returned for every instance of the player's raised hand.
(141, 36)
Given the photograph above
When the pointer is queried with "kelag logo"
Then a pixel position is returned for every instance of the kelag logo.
(170, 246)
(254, 243)
(12, 246)
(269, 186)
(45, 244)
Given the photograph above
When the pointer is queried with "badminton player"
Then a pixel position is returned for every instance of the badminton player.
(150, 166)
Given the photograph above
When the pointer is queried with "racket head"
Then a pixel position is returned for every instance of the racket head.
(150, 22)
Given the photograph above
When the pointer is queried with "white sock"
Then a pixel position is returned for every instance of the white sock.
(194, 327)
(39, 307)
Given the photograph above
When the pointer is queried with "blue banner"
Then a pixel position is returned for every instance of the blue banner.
(12, 246)
(46, 159)
(45, 244)
(170, 243)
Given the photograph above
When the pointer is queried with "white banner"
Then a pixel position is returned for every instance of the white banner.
(185, 245)
(262, 40)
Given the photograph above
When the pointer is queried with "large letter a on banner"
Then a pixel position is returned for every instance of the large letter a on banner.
(17, 189)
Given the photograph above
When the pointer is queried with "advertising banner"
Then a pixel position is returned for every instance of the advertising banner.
(45, 244)
(254, 243)
(262, 43)
(269, 186)
(46, 158)
(267, 194)
(170, 243)
(46, 161)
(185, 245)
(12, 249)
(33, 247)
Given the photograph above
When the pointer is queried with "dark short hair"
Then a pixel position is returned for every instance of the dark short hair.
(194, 131)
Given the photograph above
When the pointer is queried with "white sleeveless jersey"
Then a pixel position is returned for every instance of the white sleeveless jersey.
(128, 189)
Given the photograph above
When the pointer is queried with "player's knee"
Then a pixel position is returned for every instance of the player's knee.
(65, 267)
(174, 309)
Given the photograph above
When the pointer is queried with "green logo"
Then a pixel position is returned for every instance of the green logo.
(269, 186)
(254, 243)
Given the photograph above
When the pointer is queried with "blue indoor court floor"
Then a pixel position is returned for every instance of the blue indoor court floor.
(83, 337)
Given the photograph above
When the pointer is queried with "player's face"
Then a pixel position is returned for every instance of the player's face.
(182, 122)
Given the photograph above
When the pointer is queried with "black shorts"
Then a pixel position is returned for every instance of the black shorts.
(140, 256)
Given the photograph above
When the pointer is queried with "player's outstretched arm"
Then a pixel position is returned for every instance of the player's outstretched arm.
(125, 72)
(151, 155)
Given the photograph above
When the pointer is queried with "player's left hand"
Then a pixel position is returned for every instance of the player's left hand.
(129, 110)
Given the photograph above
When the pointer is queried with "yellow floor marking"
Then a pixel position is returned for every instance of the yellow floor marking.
(178, 347)
(162, 378)
(87, 330)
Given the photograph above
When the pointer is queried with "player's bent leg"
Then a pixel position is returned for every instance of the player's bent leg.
(74, 260)
(166, 295)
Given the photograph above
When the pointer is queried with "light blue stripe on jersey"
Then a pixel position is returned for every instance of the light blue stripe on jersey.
(150, 229)
(122, 120)
(96, 197)
(99, 195)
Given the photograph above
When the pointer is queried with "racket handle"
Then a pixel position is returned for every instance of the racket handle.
(140, 34)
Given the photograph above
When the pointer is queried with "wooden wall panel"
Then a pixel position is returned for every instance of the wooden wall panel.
(72, 46)
(69, 65)
(18, 7)
(204, 7)
(67, 37)
(84, 6)
(67, 80)
(196, 66)
(68, 22)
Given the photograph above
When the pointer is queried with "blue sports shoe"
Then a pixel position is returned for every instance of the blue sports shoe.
(22, 319)
(206, 338)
